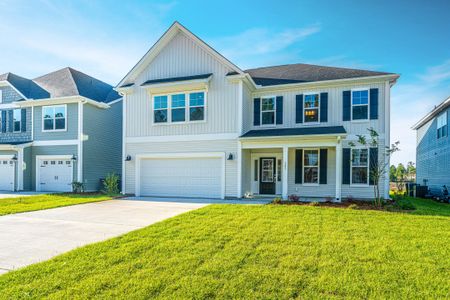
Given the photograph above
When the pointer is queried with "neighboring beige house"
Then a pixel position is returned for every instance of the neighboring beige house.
(196, 125)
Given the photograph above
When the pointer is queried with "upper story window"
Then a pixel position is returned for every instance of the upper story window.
(311, 166)
(17, 120)
(268, 111)
(54, 118)
(311, 108)
(442, 128)
(360, 166)
(360, 105)
(173, 108)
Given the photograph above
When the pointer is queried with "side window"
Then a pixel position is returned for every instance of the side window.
(311, 166)
(197, 106)
(54, 118)
(268, 111)
(442, 128)
(360, 166)
(160, 109)
(311, 108)
(17, 120)
(360, 105)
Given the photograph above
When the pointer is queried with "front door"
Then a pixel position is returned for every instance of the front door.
(267, 180)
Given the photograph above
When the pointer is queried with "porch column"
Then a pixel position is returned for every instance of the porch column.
(239, 170)
(284, 177)
(19, 169)
(338, 170)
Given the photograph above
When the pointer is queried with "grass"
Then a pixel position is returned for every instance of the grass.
(247, 252)
(32, 203)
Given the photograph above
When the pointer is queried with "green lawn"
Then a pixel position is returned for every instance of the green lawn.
(31, 203)
(271, 251)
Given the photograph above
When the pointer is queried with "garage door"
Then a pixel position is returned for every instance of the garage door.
(55, 175)
(181, 177)
(6, 175)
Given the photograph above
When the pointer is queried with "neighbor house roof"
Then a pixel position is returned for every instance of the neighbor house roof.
(337, 130)
(301, 73)
(66, 82)
(436, 111)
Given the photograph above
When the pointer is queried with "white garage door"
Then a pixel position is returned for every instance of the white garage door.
(6, 175)
(55, 175)
(181, 177)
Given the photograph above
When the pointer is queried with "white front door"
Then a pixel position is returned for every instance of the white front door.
(6, 175)
(55, 175)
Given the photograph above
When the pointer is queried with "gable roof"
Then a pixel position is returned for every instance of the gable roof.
(300, 73)
(66, 82)
(170, 33)
(436, 111)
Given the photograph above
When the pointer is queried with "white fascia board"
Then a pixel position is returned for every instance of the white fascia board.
(6, 82)
(55, 143)
(432, 114)
(15, 147)
(182, 138)
(60, 100)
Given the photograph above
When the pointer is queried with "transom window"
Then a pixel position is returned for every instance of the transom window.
(360, 166)
(360, 105)
(442, 128)
(172, 108)
(311, 166)
(17, 120)
(54, 118)
(311, 108)
(268, 111)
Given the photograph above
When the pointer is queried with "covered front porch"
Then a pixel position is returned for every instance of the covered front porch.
(307, 166)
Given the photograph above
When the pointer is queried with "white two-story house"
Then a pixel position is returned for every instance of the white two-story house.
(196, 125)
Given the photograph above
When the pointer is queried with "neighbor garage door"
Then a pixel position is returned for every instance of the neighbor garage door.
(6, 175)
(181, 177)
(55, 175)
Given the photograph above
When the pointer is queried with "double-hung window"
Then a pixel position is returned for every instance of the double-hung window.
(178, 106)
(174, 108)
(311, 108)
(17, 120)
(160, 108)
(311, 166)
(442, 128)
(360, 166)
(54, 118)
(360, 105)
(268, 111)
(197, 106)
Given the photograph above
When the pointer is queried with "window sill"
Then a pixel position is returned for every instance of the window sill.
(56, 130)
(360, 121)
(359, 185)
(178, 123)
(310, 184)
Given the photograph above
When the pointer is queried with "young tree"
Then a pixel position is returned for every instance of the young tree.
(410, 171)
(400, 174)
(378, 166)
(392, 174)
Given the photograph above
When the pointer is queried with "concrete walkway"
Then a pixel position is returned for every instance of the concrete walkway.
(31, 237)
(201, 200)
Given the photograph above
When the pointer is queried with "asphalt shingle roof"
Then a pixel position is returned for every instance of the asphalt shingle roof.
(295, 131)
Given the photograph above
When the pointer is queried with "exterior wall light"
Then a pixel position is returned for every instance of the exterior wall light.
(128, 158)
(14, 157)
(230, 156)
(74, 157)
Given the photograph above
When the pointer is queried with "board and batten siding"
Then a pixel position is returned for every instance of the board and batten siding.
(335, 109)
(71, 132)
(226, 146)
(183, 57)
(102, 143)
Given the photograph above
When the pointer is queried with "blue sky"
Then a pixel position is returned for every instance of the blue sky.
(106, 38)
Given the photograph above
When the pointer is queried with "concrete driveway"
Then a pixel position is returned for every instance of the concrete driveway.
(5, 194)
(31, 237)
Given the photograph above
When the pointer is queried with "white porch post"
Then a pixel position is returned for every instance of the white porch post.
(284, 179)
(19, 169)
(239, 170)
(338, 170)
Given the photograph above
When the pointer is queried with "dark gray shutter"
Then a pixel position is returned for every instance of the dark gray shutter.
(3, 120)
(346, 165)
(346, 105)
(10, 121)
(373, 104)
(373, 165)
(298, 165)
(256, 111)
(299, 109)
(323, 107)
(323, 166)
(23, 124)
(279, 108)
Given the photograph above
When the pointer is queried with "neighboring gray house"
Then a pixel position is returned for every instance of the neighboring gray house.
(196, 125)
(61, 127)
(433, 148)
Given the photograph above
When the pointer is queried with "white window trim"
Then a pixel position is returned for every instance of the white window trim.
(318, 167)
(304, 109)
(351, 168)
(443, 116)
(13, 125)
(54, 119)
(368, 105)
(1, 96)
(186, 107)
(274, 111)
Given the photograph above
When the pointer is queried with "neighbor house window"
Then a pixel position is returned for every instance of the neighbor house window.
(442, 128)
(360, 166)
(360, 105)
(1, 96)
(268, 111)
(160, 109)
(178, 106)
(311, 166)
(17, 120)
(54, 118)
(311, 108)
(197, 106)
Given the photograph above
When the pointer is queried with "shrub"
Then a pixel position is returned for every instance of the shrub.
(277, 200)
(404, 204)
(314, 203)
(77, 187)
(329, 199)
(294, 198)
(353, 206)
(111, 184)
